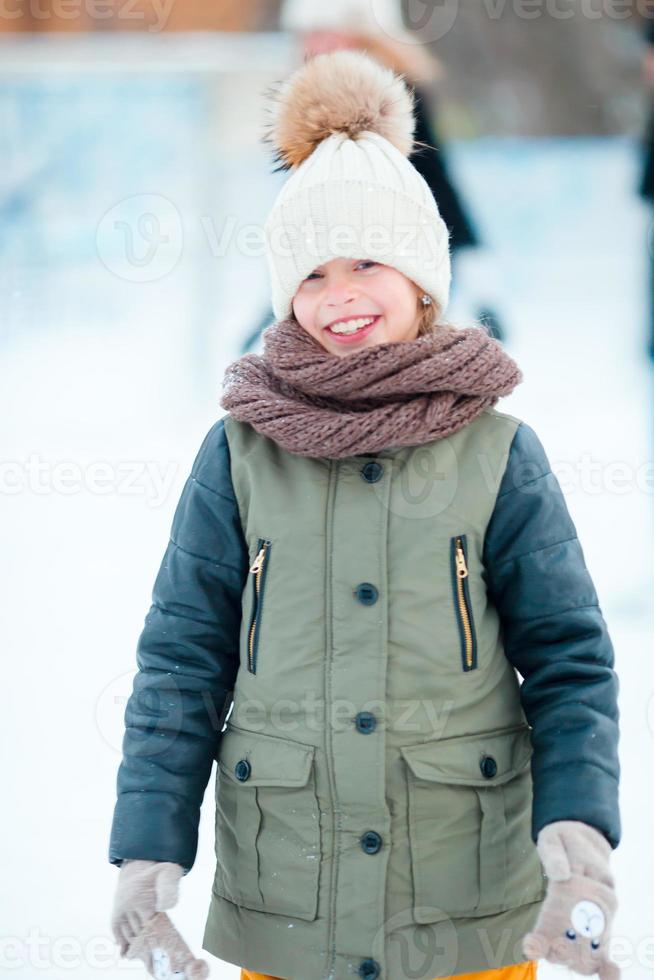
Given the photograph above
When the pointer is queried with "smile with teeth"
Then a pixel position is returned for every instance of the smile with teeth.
(351, 326)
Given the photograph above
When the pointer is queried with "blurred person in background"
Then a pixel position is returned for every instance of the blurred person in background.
(646, 186)
(353, 24)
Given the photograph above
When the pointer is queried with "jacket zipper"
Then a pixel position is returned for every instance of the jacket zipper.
(258, 571)
(463, 603)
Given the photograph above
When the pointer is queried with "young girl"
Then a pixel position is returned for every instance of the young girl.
(364, 557)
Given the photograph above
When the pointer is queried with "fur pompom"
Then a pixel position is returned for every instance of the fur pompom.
(342, 91)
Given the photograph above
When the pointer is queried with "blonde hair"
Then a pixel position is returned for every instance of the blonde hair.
(428, 315)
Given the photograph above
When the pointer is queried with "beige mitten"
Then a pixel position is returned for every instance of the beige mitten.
(164, 952)
(144, 887)
(574, 922)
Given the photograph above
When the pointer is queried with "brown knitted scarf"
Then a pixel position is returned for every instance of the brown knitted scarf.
(315, 403)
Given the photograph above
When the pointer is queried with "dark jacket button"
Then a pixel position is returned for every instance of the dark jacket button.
(488, 766)
(366, 593)
(372, 472)
(242, 770)
(369, 969)
(365, 722)
(371, 842)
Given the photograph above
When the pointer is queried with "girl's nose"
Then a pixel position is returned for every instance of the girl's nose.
(339, 291)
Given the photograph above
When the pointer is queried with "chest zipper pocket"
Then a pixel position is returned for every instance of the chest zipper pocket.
(462, 601)
(258, 571)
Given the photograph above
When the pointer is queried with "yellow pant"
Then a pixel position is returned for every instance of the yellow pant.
(519, 971)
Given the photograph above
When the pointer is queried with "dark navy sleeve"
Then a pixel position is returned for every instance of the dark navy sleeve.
(554, 634)
(187, 656)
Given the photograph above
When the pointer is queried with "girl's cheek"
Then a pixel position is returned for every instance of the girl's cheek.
(304, 311)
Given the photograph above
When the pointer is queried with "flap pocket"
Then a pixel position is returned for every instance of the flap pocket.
(470, 802)
(263, 760)
(472, 760)
(268, 836)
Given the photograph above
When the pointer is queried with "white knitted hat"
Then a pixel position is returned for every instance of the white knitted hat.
(344, 124)
(366, 16)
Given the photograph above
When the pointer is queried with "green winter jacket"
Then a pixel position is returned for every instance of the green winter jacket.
(383, 775)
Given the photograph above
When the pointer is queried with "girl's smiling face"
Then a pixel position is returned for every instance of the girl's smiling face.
(361, 289)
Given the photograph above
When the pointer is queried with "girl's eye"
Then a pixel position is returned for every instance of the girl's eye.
(368, 262)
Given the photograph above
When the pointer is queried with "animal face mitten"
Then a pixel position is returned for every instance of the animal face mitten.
(574, 923)
(164, 952)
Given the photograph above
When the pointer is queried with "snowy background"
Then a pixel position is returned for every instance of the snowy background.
(121, 306)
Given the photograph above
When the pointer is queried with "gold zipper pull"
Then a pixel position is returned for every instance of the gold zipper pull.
(461, 567)
(256, 565)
